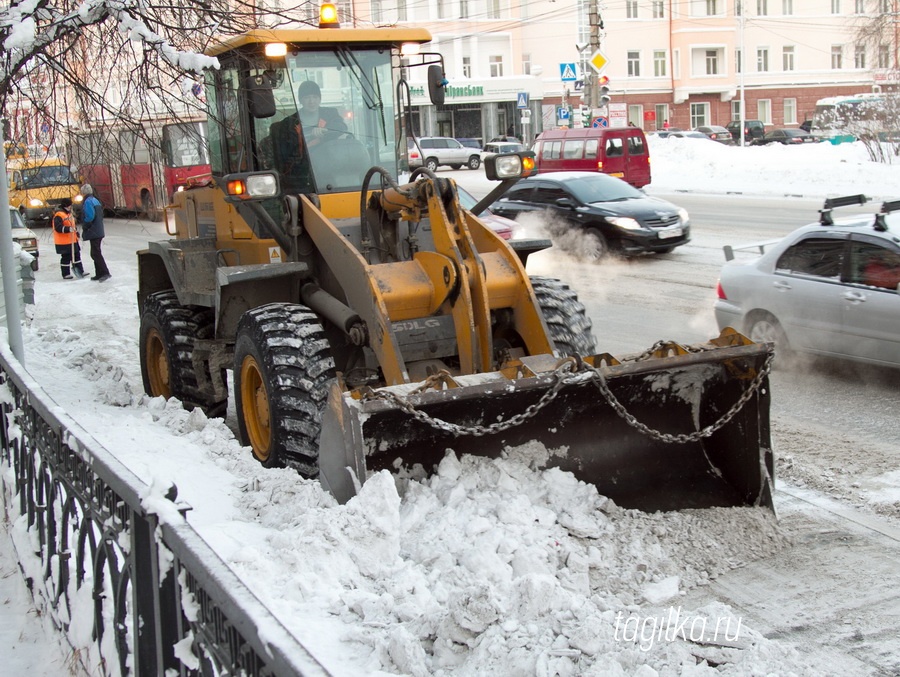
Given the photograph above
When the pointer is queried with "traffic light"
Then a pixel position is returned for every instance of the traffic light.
(585, 115)
(604, 95)
(603, 90)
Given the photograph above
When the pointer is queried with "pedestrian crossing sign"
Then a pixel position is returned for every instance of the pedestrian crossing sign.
(522, 100)
(567, 72)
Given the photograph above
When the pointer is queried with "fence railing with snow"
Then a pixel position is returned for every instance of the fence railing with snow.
(113, 562)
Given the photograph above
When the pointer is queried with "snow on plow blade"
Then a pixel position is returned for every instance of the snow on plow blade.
(667, 432)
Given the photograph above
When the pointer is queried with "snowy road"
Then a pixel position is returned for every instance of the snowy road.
(550, 566)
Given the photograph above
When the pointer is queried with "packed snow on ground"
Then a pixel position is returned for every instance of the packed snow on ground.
(487, 567)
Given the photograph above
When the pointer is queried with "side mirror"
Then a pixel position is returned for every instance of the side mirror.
(436, 82)
(260, 97)
(567, 202)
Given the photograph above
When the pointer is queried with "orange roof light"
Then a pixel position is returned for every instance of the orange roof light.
(328, 16)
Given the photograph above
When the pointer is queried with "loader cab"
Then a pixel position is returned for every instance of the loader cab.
(321, 115)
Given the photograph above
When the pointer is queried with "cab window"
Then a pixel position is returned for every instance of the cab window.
(573, 149)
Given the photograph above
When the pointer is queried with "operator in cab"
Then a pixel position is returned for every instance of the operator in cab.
(303, 132)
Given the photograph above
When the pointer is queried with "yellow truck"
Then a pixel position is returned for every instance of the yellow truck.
(38, 184)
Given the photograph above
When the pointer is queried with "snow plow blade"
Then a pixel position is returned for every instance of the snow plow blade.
(679, 427)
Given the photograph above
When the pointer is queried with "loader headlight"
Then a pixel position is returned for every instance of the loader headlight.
(34, 202)
(258, 186)
(509, 165)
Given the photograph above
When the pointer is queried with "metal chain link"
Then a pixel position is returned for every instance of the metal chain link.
(560, 373)
(619, 408)
(563, 375)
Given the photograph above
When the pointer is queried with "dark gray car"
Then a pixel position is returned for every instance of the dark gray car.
(592, 214)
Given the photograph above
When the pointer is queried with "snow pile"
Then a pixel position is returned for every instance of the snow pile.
(806, 170)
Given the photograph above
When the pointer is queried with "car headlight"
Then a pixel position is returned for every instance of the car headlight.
(34, 202)
(684, 216)
(624, 222)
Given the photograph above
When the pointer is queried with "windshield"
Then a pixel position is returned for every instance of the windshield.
(335, 119)
(601, 188)
(185, 144)
(41, 177)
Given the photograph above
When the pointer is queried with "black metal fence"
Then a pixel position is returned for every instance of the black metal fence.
(157, 597)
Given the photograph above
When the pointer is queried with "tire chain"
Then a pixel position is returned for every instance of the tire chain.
(567, 373)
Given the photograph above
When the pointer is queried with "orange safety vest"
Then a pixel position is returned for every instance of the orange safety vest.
(68, 222)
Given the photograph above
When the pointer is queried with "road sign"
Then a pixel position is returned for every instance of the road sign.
(522, 100)
(600, 122)
(562, 113)
(567, 72)
(598, 61)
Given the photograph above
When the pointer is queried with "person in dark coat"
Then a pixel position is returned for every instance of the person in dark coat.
(92, 231)
(292, 137)
(65, 239)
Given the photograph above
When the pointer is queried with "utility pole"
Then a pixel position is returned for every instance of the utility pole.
(591, 98)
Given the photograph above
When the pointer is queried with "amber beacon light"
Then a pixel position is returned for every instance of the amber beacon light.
(328, 16)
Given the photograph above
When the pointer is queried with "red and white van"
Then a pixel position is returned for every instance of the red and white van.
(619, 151)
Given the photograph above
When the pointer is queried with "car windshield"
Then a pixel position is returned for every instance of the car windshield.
(600, 188)
(41, 177)
(15, 218)
(467, 200)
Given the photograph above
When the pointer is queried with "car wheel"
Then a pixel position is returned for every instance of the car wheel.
(431, 164)
(764, 328)
(474, 162)
(667, 250)
(595, 245)
(456, 166)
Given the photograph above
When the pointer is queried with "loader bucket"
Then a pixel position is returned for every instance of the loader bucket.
(674, 395)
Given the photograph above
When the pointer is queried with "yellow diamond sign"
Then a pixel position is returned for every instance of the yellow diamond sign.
(598, 61)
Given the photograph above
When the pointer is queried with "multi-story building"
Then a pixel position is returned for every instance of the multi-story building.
(690, 62)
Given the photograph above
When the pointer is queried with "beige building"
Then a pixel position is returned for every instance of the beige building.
(688, 61)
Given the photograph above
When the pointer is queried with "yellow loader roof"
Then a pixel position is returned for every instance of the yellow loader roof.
(322, 35)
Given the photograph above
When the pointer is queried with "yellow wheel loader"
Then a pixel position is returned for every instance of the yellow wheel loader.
(370, 321)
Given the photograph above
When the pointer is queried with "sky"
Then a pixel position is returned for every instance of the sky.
(487, 567)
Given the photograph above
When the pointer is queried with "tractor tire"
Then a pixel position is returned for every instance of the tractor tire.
(283, 369)
(566, 317)
(167, 336)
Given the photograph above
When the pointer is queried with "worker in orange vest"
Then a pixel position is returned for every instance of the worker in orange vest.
(65, 237)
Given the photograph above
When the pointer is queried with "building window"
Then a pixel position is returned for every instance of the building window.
(736, 109)
(699, 114)
(790, 111)
(860, 7)
(493, 9)
(377, 11)
(762, 59)
(885, 6)
(712, 7)
(526, 64)
(659, 9)
(738, 7)
(835, 6)
(712, 63)
(787, 58)
(859, 56)
(738, 61)
(441, 9)
(676, 64)
(463, 9)
(401, 10)
(764, 111)
(787, 7)
(467, 67)
(659, 63)
(662, 114)
(837, 56)
(636, 115)
(634, 64)
(762, 7)
(884, 56)
(631, 9)
(496, 65)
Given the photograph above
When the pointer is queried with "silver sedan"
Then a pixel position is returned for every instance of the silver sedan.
(829, 288)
